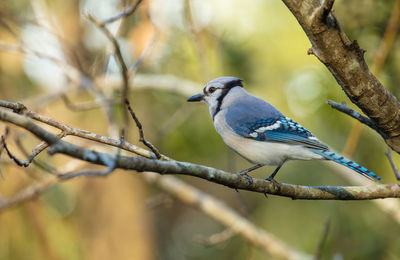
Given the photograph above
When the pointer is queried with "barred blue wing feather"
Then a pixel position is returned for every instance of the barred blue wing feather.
(280, 129)
(260, 132)
(350, 164)
(286, 130)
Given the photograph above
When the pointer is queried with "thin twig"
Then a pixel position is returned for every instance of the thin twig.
(3, 137)
(322, 241)
(180, 115)
(120, 59)
(197, 41)
(28, 193)
(146, 51)
(31, 157)
(16, 107)
(347, 110)
(140, 129)
(394, 168)
(4, 24)
(12, 157)
(69, 71)
(121, 15)
(68, 130)
(36, 151)
(2, 143)
(85, 79)
(82, 106)
(110, 163)
(159, 82)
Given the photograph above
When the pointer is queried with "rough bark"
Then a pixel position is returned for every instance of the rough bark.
(345, 60)
(235, 181)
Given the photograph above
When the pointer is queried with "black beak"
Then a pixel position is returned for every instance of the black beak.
(195, 98)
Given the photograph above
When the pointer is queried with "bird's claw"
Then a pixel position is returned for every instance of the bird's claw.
(276, 184)
(248, 177)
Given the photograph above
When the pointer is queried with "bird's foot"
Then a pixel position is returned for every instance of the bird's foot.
(248, 177)
(276, 184)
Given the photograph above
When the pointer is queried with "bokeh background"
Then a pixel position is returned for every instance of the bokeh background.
(123, 216)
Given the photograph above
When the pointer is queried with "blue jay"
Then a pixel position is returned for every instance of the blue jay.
(261, 133)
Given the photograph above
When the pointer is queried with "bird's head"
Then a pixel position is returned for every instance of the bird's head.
(215, 91)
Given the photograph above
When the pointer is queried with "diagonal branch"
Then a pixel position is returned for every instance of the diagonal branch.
(322, 241)
(121, 15)
(392, 164)
(82, 106)
(354, 114)
(68, 130)
(345, 60)
(10, 155)
(28, 193)
(140, 129)
(120, 59)
(218, 176)
(31, 157)
(219, 211)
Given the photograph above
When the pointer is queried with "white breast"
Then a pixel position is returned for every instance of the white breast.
(267, 153)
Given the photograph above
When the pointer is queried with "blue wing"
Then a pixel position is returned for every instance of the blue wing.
(262, 122)
(280, 129)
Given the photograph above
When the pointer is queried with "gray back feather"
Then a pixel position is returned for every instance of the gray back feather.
(241, 107)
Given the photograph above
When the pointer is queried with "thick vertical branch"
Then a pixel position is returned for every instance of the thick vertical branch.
(345, 60)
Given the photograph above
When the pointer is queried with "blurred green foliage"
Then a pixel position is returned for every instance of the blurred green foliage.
(258, 41)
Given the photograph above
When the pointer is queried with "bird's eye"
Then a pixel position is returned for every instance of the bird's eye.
(211, 89)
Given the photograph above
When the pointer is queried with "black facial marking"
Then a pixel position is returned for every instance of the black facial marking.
(228, 86)
(233, 83)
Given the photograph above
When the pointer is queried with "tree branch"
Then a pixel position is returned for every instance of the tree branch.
(322, 241)
(119, 58)
(140, 129)
(121, 15)
(218, 176)
(354, 114)
(228, 217)
(82, 106)
(28, 193)
(392, 164)
(345, 60)
(68, 130)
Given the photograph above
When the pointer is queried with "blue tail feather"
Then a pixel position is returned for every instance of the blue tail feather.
(348, 163)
